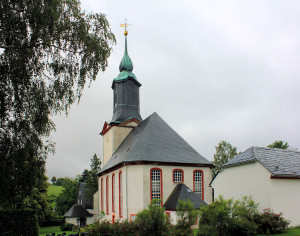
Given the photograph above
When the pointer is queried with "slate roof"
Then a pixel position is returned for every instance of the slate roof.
(77, 210)
(280, 162)
(153, 140)
(183, 193)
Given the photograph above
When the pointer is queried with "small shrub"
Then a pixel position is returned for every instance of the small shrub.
(271, 223)
(66, 227)
(187, 216)
(119, 228)
(214, 218)
(152, 221)
(225, 217)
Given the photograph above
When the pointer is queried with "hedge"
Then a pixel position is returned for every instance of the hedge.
(18, 222)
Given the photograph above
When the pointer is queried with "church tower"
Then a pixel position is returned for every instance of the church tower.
(126, 106)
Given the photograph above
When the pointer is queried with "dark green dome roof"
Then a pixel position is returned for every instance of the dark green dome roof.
(125, 67)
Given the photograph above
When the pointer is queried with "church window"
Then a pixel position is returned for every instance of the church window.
(120, 195)
(113, 192)
(102, 195)
(107, 197)
(198, 183)
(178, 176)
(156, 184)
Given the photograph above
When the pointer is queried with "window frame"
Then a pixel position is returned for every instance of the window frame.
(161, 185)
(182, 176)
(202, 193)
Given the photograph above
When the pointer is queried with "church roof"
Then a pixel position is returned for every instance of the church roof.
(153, 140)
(77, 210)
(183, 193)
(280, 162)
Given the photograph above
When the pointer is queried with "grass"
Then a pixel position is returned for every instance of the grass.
(52, 229)
(54, 190)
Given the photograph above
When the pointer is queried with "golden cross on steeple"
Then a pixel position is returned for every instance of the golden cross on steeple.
(125, 25)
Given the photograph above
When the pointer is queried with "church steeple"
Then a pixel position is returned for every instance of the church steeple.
(126, 90)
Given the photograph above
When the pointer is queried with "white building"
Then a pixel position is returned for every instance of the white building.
(270, 175)
(145, 159)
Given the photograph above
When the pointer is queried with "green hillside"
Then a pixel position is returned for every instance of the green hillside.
(55, 191)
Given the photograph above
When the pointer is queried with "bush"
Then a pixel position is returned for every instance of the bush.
(66, 227)
(18, 222)
(53, 222)
(225, 217)
(187, 216)
(126, 228)
(214, 218)
(152, 221)
(271, 223)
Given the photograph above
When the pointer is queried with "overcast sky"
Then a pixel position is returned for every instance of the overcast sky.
(213, 70)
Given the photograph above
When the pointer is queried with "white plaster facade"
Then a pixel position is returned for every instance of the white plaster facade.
(73, 220)
(253, 179)
(136, 193)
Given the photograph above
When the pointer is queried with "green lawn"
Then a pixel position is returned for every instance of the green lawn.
(54, 190)
(52, 229)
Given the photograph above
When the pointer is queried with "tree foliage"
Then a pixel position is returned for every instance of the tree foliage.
(39, 201)
(53, 179)
(279, 144)
(68, 196)
(186, 217)
(49, 50)
(92, 179)
(240, 217)
(224, 152)
(152, 221)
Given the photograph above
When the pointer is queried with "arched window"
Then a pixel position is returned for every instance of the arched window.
(107, 196)
(102, 195)
(178, 176)
(198, 183)
(156, 184)
(120, 194)
(113, 192)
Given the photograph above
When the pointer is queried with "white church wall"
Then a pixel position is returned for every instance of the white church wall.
(135, 189)
(285, 195)
(169, 185)
(244, 180)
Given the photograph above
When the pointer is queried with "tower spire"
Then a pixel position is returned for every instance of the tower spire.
(126, 89)
(126, 63)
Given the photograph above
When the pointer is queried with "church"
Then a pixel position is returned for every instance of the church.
(145, 159)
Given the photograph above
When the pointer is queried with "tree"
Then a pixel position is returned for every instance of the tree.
(68, 196)
(279, 144)
(224, 152)
(49, 50)
(186, 217)
(39, 201)
(53, 179)
(92, 178)
(152, 221)
(84, 175)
